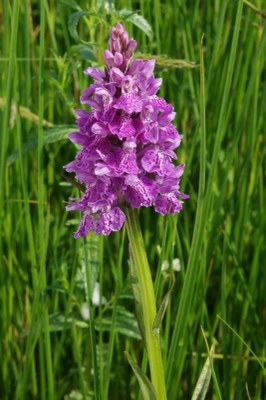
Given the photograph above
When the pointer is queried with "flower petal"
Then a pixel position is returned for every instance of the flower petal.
(85, 226)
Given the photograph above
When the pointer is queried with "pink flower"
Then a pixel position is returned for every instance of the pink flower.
(128, 142)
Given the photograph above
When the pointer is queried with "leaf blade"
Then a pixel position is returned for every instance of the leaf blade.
(51, 135)
(204, 379)
(145, 384)
(137, 20)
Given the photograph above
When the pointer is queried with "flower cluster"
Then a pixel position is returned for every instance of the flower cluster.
(127, 140)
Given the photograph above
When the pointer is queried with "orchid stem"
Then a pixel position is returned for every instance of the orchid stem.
(148, 304)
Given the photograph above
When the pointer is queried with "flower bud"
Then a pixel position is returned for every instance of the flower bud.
(132, 44)
(118, 59)
(117, 45)
(119, 29)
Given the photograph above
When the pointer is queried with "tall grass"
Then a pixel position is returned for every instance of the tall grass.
(55, 342)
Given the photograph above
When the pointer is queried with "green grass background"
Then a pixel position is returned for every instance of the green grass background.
(48, 349)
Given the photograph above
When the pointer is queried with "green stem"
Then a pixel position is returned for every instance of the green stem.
(152, 337)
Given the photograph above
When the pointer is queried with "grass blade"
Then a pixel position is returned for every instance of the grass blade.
(146, 387)
(203, 210)
(203, 382)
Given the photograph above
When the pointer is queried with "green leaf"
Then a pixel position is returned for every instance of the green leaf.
(51, 135)
(136, 20)
(57, 133)
(92, 247)
(136, 293)
(85, 51)
(160, 314)
(71, 3)
(214, 377)
(73, 23)
(203, 382)
(58, 322)
(125, 323)
(146, 386)
(106, 6)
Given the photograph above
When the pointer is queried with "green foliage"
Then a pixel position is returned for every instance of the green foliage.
(146, 387)
(125, 323)
(51, 135)
(50, 347)
(137, 20)
(71, 4)
(108, 8)
(74, 20)
(203, 382)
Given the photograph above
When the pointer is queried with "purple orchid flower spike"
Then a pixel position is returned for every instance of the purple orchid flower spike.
(128, 142)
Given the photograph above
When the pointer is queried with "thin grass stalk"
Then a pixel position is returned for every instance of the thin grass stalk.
(97, 391)
(9, 86)
(101, 347)
(35, 327)
(28, 221)
(203, 212)
(148, 304)
(4, 145)
(42, 377)
(190, 279)
(112, 336)
(78, 359)
(41, 220)
(40, 129)
(214, 377)
(224, 312)
(239, 130)
(188, 48)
